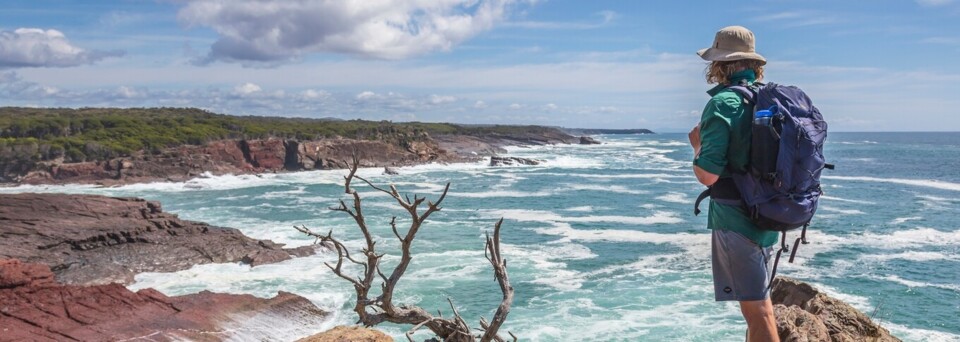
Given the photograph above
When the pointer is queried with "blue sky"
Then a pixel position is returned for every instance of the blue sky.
(869, 65)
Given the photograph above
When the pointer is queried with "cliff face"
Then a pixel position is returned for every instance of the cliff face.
(806, 314)
(277, 155)
(90, 239)
(237, 157)
(36, 308)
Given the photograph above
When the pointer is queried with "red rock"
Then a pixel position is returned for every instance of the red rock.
(14, 273)
(90, 239)
(55, 312)
(267, 154)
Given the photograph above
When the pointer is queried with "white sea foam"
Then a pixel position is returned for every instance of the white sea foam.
(910, 256)
(910, 283)
(695, 243)
(524, 215)
(675, 197)
(901, 220)
(914, 334)
(837, 199)
(585, 208)
(501, 193)
(605, 188)
(840, 211)
(929, 183)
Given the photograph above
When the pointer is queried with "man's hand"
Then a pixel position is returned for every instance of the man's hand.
(694, 137)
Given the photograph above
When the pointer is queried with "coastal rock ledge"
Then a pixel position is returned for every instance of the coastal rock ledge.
(94, 240)
(806, 314)
(36, 308)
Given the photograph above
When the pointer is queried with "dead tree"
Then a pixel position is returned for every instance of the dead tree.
(375, 310)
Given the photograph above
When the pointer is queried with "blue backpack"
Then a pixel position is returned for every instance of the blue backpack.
(781, 185)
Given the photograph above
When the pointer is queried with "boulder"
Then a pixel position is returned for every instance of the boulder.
(806, 314)
(348, 334)
(508, 161)
(585, 140)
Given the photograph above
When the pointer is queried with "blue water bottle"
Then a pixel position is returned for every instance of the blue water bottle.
(763, 117)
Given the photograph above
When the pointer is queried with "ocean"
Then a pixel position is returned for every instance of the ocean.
(601, 240)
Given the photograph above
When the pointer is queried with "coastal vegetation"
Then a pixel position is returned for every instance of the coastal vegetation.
(31, 135)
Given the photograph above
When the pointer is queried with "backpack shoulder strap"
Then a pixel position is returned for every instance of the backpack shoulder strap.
(747, 92)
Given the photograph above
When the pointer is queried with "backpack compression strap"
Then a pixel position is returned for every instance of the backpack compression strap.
(785, 248)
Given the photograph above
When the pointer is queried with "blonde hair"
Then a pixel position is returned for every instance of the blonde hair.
(719, 72)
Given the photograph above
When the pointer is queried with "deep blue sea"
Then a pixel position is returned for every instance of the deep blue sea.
(601, 241)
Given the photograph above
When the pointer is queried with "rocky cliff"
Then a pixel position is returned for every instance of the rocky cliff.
(806, 314)
(278, 155)
(37, 308)
(88, 239)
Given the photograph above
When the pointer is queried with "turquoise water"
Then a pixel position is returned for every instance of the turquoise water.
(601, 241)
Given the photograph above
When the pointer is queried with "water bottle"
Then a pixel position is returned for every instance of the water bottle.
(763, 117)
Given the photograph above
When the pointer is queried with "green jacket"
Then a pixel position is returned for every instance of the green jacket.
(725, 145)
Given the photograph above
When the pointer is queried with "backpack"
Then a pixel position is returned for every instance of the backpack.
(780, 187)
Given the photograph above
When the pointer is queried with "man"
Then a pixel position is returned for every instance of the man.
(721, 144)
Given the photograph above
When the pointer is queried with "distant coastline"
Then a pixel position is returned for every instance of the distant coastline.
(111, 146)
(593, 131)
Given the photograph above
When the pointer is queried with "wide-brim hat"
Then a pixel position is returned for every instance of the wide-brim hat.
(730, 44)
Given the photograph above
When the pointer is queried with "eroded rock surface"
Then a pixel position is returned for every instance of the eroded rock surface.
(88, 239)
(806, 314)
(348, 334)
(35, 308)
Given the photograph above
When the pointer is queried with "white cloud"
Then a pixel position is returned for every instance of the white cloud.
(550, 107)
(33, 47)
(366, 95)
(268, 32)
(438, 99)
(480, 105)
(515, 106)
(246, 88)
(934, 3)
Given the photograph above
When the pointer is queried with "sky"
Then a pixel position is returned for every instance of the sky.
(877, 65)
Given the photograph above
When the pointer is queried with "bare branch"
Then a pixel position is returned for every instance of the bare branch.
(381, 308)
(353, 171)
(503, 279)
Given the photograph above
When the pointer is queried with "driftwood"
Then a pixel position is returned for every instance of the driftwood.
(373, 311)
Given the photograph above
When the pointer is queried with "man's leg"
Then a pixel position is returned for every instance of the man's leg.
(761, 325)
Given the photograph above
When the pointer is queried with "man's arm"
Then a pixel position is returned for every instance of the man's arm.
(704, 176)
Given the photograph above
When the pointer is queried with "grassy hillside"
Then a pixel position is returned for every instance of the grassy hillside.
(29, 135)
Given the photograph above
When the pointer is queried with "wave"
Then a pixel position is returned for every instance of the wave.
(840, 211)
(675, 197)
(605, 188)
(837, 199)
(929, 183)
(524, 215)
(901, 220)
(910, 256)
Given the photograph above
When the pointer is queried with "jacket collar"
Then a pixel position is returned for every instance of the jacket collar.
(747, 76)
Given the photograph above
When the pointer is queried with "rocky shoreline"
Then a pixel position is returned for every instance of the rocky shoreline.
(273, 155)
(93, 240)
(35, 307)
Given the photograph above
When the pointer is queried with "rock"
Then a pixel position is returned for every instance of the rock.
(506, 161)
(14, 273)
(55, 312)
(348, 334)
(585, 140)
(89, 239)
(390, 171)
(264, 155)
(796, 325)
(805, 314)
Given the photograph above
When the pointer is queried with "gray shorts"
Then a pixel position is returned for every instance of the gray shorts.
(740, 267)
